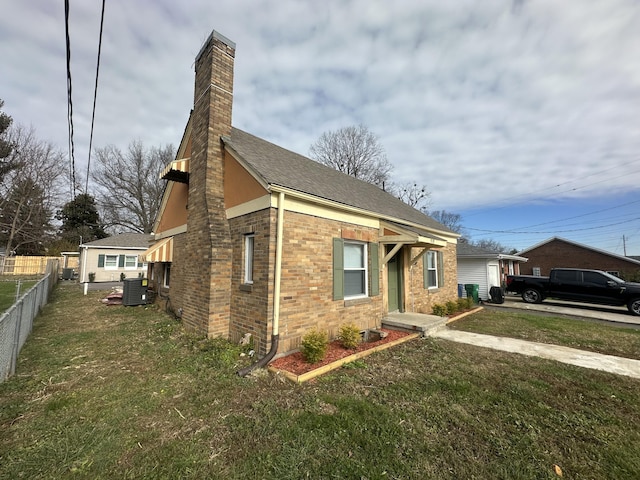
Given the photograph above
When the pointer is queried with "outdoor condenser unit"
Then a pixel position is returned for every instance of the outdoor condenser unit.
(134, 291)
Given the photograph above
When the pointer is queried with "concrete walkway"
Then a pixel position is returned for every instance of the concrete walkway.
(581, 358)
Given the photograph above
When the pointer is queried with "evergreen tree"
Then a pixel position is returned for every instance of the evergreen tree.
(80, 220)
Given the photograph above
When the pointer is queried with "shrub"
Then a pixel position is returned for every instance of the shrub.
(122, 276)
(451, 307)
(349, 336)
(469, 303)
(439, 310)
(462, 304)
(314, 346)
(92, 276)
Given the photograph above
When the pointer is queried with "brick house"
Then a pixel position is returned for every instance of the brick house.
(253, 238)
(559, 252)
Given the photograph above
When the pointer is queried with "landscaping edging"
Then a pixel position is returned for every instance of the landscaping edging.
(339, 363)
(462, 315)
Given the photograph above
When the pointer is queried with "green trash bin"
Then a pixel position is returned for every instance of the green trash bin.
(472, 291)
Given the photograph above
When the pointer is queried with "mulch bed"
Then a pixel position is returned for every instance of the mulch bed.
(297, 365)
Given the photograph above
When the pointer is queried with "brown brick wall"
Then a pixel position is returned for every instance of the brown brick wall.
(422, 300)
(307, 280)
(558, 254)
(251, 305)
(208, 249)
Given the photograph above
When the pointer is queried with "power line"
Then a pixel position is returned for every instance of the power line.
(95, 96)
(72, 166)
(512, 232)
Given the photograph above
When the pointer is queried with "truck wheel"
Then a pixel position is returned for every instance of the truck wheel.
(634, 306)
(531, 295)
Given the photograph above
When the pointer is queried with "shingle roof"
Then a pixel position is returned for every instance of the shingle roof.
(282, 167)
(124, 240)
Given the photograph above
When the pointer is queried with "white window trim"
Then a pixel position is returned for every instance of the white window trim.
(365, 269)
(164, 275)
(109, 267)
(135, 263)
(433, 256)
(249, 257)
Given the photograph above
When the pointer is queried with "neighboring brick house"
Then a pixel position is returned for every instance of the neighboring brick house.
(111, 257)
(258, 239)
(486, 268)
(558, 252)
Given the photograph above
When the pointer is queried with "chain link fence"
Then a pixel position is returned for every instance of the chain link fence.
(16, 322)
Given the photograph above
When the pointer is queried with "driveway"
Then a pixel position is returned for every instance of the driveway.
(600, 313)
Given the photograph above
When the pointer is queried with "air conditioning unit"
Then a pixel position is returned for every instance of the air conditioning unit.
(134, 291)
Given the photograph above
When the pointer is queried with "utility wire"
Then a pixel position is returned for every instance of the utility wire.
(95, 96)
(70, 103)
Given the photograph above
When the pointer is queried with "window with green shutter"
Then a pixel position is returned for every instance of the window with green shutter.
(433, 269)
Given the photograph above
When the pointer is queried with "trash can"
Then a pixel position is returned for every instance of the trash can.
(460, 290)
(472, 291)
(496, 294)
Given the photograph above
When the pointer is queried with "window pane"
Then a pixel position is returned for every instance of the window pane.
(431, 260)
(353, 255)
(130, 261)
(248, 258)
(432, 278)
(111, 261)
(353, 283)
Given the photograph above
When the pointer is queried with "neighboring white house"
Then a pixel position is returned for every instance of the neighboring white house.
(485, 268)
(110, 257)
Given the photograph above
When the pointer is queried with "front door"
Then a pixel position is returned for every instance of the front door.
(394, 283)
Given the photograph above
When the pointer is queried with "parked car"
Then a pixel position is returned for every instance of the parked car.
(589, 286)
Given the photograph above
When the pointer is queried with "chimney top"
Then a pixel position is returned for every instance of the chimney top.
(215, 36)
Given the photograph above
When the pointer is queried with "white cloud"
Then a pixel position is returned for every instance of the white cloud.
(481, 101)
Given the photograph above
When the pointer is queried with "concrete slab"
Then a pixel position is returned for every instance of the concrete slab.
(572, 356)
(414, 322)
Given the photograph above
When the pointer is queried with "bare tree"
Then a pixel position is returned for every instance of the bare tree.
(355, 151)
(453, 221)
(130, 188)
(413, 194)
(30, 192)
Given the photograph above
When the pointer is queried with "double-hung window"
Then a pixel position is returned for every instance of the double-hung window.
(111, 262)
(432, 270)
(355, 270)
(433, 265)
(130, 262)
(249, 241)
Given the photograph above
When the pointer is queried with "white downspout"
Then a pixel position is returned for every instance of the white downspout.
(275, 325)
(278, 272)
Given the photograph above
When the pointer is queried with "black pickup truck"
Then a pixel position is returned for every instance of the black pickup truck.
(589, 286)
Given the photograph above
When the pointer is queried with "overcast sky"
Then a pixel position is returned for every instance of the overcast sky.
(488, 103)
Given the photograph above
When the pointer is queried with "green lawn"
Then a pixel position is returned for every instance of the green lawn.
(8, 289)
(122, 392)
(582, 334)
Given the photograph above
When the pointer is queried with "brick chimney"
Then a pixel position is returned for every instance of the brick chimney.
(207, 266)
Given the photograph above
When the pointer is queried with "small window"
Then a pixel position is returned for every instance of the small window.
(536, 271)
(130, 262)
(167, 275)
(355, 270)
(249, 241)
(110, 262)
(432, 270)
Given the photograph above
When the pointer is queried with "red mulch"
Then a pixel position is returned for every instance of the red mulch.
(295, 364)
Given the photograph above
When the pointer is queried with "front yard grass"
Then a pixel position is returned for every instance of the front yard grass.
(581, 334)
(122, 392)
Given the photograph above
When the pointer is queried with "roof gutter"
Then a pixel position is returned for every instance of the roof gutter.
(275, 328)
